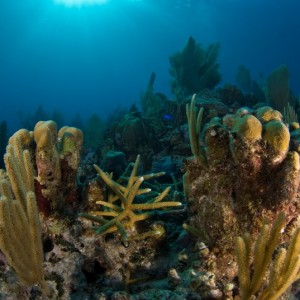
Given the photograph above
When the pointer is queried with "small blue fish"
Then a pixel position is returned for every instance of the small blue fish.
(168, 117)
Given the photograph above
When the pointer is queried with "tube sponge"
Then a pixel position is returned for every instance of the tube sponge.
(45, 134)
(70, 138)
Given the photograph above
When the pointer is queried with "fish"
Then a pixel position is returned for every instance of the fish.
(168, 117)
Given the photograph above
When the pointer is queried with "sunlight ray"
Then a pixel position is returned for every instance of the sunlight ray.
(79, 3)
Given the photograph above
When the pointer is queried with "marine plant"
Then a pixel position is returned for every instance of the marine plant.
(194, 69)
(119, 211)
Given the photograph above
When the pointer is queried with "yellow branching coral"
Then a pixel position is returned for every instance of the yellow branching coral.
(119, 210)
(282, 271)
(20, 232)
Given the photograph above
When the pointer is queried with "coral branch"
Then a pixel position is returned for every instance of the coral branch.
(125, 213)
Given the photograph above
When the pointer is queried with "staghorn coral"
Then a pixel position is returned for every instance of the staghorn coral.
(120, 211)
(250, 177)
(20, 232)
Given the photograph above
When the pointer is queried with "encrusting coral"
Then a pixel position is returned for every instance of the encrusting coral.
(20, 232)
(120, 208)
(250, 177)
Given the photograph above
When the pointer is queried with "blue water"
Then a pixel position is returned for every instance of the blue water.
(92, 59)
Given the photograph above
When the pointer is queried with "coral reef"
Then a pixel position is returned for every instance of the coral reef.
(250, 177)
(242, 175)
(85, 225)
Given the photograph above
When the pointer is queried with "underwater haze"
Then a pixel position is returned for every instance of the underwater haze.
(93, 56)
